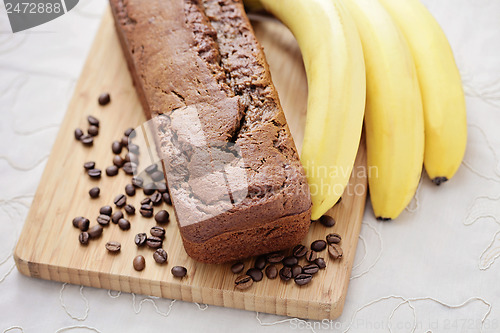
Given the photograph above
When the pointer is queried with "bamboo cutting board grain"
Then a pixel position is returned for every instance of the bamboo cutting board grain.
(49, 249)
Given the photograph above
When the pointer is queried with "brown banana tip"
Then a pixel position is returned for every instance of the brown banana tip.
(439, 180)
(383, 219)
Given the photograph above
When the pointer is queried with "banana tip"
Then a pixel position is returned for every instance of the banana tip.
(439, 180)
(384, 219)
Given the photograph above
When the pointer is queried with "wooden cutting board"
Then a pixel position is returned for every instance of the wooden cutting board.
(48, 247)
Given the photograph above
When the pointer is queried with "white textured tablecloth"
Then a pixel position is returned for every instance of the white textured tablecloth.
(437, 262)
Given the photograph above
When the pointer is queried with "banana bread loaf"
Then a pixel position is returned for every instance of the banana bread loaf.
(233, 171)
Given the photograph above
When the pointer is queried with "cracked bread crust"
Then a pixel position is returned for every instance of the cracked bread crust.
(203, 53)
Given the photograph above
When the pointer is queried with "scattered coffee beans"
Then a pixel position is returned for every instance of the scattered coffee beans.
(255, 274)
(95, 231)
(106, 210)
(124, 224)
(93, 121)
(160, 256)
(260, 262)
(94, 192)
(103, 219)
(133, 148)
(139, 263)
(320, 262)
(327, 221)
(318, 245)
(285, 273)
(116, 147)
(179, 271)
(157, 176)
(335, 251)
(167, 199)
(156, 199)
(78, 133)
(296, 270)
(146, 201)
(303, 279)
(154, 242)
(130, 190)
(129, 131)
(113, 247)
(129, 209)
(104, 99)
(140, 239)
(311, 256)
(116, 217)
(83, 224)
(118, 161)
(333, 238)
(290, 261)
(76, 220)
(87, 140)
(93, 130)
(124, 141)
(112, 170)
(271, 272)
(161, 187)
(162, 217)
(146, 210)
(130, 157)
(299, 251)
(89, 165)
(84, 238)
(275, 257)
(129, 168)
(243, 282)
(120, 200)
(157, 232)
(237, 267)
(94, 173)
(311, 269)
(150, 169)
(149, 188)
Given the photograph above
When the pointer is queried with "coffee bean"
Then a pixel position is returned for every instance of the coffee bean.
(89, 165)
(133, 148)
(106, 210)
(93, 130)
(333, 238)
(260, 262)
(162, 217)
(318, 245)
(271, 272)
(104, 99)
(243, 282)
(311, 256)
(94, 173)
(310, 269)
(255, 274)
(157, 176)
(140, 239)
(87, 140)
(320, 262)
(156, 199)
(84, 238)
(77, 220)
(139, 263)
(83, 224)
(130, 157)
(94, 192)
(137, 181)
(124, 224)
(160, 256)
(179, 271)
(150, 169)
(112, 170)
(149, 188)
(120, 200)
(154, 242)
(129, 209)
(303, 279)
(118, 161)
(130, 190)
(124, 141)
(78, 133)
(103, 220)
(299, 251)
(327, 221)
(129, 168)
(95, 231)
(113, 247)
(285, 273)
(93, 121)
(116, 147)
(116, 217)
(237, 267)
(296, 270)
(161, 187)
(157, 232)
(167, 199)
(335, 251)
(128, 132)
(146, 201)
(290, 261)
(146, 211)
(275, 257)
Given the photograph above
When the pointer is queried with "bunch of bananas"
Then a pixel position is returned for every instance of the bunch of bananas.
(387, 62)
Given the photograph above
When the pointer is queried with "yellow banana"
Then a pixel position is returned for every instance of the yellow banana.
(440, 85)
(333, 58)
(394, 116)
